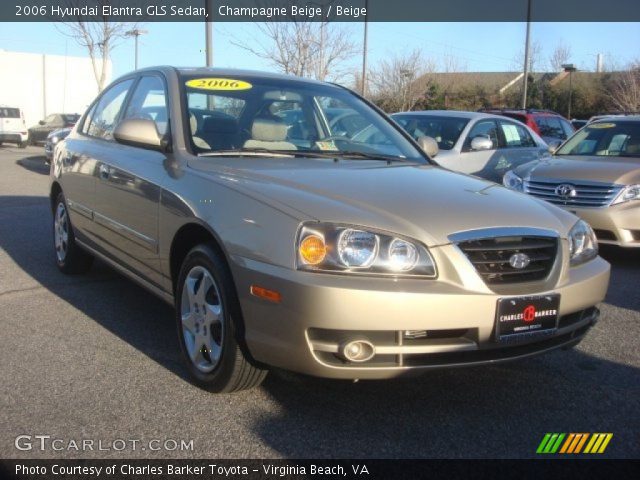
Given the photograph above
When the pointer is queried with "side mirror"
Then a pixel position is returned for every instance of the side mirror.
(41, 122)
(554, 145)
(481, 143)
(139, 132)
(429, 145)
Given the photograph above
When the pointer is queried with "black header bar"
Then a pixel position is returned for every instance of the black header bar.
(319, 10)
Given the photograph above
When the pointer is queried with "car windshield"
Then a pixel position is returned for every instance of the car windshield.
(288, 117)
(605, 139)
(445, 130)
(71, 118)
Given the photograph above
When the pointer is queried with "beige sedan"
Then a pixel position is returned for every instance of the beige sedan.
(282, 240)
(595, 175)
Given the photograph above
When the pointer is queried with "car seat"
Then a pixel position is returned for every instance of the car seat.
(269, 133)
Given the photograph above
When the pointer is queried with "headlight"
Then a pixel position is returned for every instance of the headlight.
(325, 247)
(583, 245)
(54, 139)
(512, 181)
(631, 192)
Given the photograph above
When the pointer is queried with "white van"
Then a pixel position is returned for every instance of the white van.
(13, 128)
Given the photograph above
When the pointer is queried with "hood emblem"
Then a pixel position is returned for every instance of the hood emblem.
(519, 260)
(566, 191)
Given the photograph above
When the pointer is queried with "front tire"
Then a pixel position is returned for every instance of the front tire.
(208, 319)
(70, 258)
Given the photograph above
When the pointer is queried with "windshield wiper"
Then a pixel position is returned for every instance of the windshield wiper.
(355, 155)
(333, 154)
(248, 152)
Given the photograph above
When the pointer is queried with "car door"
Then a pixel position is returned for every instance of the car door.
(76, 161)
(470, 161)
(516, 146)
(128, 186)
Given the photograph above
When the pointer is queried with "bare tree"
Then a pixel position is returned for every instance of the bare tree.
(317, 50)
(560, 56)
(625, 89)
(400, 81)
(535, 57)
(98, 37)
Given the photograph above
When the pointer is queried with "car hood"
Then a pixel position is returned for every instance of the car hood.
(60, 133)
(422, 201)
(619, 170)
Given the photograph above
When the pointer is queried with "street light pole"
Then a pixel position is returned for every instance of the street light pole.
(526, 57)
(208, 29)
(570, 67)
(135, 33)
(364, 50)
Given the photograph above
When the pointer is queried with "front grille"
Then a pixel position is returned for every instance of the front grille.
(491, 257)
(584, 194)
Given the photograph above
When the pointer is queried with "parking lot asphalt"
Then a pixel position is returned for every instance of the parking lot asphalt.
(96, 357)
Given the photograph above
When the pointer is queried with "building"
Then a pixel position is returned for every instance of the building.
(43, 84)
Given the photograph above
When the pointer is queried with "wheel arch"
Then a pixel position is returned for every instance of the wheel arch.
(188, 236)
(56, 190)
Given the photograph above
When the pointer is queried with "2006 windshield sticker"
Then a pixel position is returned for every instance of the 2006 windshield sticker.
(218, 84)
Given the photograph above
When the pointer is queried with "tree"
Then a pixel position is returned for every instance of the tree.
(98, 37)
(535, 55)
(625, 89)
(560, 56)
(307, 49)
(400, 82)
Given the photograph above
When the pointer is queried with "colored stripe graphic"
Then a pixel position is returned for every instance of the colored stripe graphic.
(574, 443)
(598, 442)
(550, 443)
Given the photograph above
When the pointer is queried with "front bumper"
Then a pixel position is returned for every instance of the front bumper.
(615, 225)
(318, 312)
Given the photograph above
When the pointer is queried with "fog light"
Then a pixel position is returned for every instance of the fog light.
(357, 351)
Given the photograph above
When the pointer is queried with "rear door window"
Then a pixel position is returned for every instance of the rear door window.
(9, 112)
(550, 127)
(515, 135)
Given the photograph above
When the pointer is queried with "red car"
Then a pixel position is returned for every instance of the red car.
(551, 126)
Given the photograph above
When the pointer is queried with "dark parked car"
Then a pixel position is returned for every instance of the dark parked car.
(551, 126)
(52, 140)
(55, 121)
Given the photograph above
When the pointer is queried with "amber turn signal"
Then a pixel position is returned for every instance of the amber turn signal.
(312, 249)
(270, 295)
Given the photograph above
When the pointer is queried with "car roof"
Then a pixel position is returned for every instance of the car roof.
(451, 113)
(616, 117)
(228, 72)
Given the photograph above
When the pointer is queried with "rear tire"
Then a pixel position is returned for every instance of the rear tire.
(22, 145)
(70, 258)
(208, 321)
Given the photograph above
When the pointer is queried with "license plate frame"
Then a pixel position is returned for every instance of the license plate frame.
(526, 317)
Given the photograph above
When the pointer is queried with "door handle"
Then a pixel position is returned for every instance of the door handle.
(104, 172)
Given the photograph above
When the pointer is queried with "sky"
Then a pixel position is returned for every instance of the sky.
(473, 46)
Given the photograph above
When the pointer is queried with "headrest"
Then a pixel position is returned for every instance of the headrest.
(220, 125)
(193, 123)
(268, 130)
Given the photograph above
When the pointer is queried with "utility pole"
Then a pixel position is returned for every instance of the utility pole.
(135, 33)
(364, 50)
(208, 32)
(526, 57)
(570, 67)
